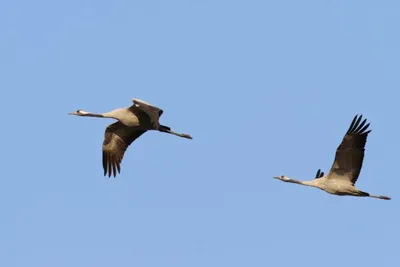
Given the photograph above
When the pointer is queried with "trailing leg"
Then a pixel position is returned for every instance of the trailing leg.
(365, 194)
(166, 129)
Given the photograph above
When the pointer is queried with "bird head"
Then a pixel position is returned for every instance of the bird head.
(79, 112)
(282, 178)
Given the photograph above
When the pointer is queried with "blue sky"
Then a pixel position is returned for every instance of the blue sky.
(264, 87)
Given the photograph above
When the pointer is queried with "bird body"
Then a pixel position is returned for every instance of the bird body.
(332, 186)
(131, 123)
(126, 116)
(346, 167)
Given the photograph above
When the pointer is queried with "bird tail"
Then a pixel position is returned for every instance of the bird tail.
(363, 194)
(164, 128)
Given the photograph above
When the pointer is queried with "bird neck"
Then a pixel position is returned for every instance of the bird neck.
(110, 114)
(93, 115)
(306, 183)
(115, 114)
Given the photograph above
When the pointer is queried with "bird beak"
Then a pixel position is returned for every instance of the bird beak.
(72, 113)
(276, 177)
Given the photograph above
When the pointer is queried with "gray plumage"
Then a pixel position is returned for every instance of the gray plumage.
(347, 165)
(132, 123)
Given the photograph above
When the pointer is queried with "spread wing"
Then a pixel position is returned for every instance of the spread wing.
(319, 174)
(152, 111)
(350, 153)
(117, 138)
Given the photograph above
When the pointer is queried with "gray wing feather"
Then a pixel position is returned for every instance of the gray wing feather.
(153, 112)
(117, 139)
(350, 153)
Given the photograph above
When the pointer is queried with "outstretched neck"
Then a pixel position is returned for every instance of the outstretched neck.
(115, 114)
(306, 183)
(94, 115)
(111, 115)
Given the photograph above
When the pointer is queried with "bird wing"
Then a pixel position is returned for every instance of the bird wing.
(319, 174)
(350, 153)
(152, 111)
(117, 138)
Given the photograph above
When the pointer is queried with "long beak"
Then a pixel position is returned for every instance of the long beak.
(276, 177)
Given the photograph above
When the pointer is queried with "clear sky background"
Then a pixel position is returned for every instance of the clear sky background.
(264, 87)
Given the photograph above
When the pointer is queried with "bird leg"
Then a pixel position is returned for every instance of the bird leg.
(365, 194)
(380, 197)
(166, 129)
